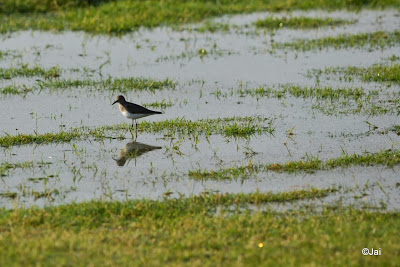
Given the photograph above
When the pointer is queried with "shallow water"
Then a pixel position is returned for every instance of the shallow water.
(88, 169)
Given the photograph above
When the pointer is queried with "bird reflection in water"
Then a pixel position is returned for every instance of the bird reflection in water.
(132, 150)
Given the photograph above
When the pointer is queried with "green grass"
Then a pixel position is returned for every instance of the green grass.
(387, 157)
(373, 40)
(327, 99)
(376, 73)
(123, 16)
(8, 53)
(15, 90)
(111, 84)
(240, 127)
(121, 85)
(207, 52)
(163, 104)
(24, 70)
(299, 22)
(188, 231)
(317, 92)
(6, 166)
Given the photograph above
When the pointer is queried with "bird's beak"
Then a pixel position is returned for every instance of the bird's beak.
(114, 102)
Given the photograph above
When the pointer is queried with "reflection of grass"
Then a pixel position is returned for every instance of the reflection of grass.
(122, 16)
(242, 127)
(8, 195)
(386, 157)
(31, 193)
(299, 22)
(192, 230)
(362, 40)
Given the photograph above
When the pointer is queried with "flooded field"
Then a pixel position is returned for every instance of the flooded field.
(245, 108)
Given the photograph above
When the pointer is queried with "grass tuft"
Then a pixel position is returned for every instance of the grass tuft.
(387, 157)
(373, 40)
(299, 22)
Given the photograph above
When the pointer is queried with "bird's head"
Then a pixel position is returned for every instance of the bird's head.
(119, 99)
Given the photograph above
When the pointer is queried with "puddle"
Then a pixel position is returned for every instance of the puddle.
(155, 165)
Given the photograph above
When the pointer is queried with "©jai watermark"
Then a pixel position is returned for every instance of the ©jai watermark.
(366, 251)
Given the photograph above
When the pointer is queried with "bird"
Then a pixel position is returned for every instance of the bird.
(133, 111)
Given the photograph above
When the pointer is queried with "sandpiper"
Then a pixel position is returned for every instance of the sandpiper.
(133, 111)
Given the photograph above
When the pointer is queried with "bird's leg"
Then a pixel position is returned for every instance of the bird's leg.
(131, 129)
(136, 128)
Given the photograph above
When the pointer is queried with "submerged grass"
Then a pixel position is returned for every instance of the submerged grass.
(387, 157)
(299, 22)
(181, 231)
(243, 127)
(123, 16)
(373, 40)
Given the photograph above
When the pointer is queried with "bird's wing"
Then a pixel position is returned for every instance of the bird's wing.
(139, 109)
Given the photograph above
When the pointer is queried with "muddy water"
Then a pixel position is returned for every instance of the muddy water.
(93, 169)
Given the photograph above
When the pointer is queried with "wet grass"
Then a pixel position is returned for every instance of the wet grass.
(240, 127)
(311, 164)
(207, 52)
(8, 53)
(373, 40)
(327, 99)
(6, 166)
(111, 84)
(376, 73)
(229, 127)
(118, 17)
(46, 138)
(14, 90)
(24, 70)
(121, 85)
(163, 104)
(186, 229)
(316, 92)
(299, 22)
(210, 26)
